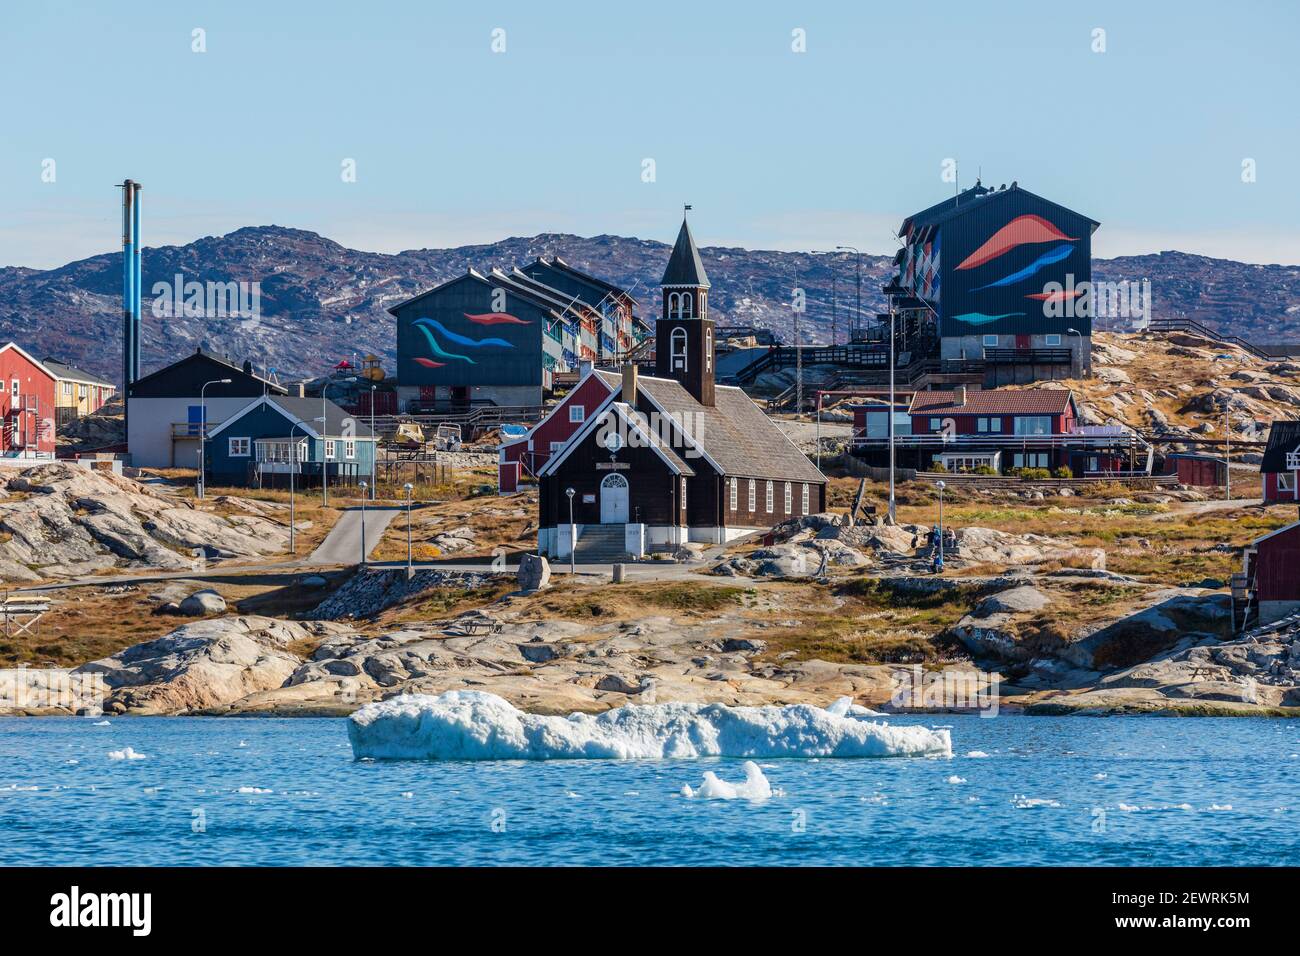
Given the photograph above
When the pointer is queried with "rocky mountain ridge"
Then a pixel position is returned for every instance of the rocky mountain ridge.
(321, 301)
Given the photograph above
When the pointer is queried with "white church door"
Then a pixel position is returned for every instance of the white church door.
(613, 499)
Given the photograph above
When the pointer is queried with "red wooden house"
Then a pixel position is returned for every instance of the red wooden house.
(524, 456)
(27, 405)
(1272, 567)
(1280, 466)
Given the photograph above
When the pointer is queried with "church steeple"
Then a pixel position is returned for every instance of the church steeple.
(684, 333)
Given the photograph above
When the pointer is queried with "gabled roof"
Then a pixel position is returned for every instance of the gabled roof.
(734, 435)
(27, 355)
(610, 380)
(1274, 533)
(993, 401)
(636, 423)
(976, 197)
(555, 262)
(1283, 437)
(684, 265)
(70, 373)
(221, 360)
(305, 412)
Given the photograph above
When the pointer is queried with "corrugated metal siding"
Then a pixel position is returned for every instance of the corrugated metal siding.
(1278, 567)
(963, 235)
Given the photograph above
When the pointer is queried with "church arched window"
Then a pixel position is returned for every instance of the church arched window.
(687, 310)
(673, 305)
(677, 349)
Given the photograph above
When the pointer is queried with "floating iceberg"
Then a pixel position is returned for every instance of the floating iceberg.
(755, 786)
(127, 754)
(473, 725)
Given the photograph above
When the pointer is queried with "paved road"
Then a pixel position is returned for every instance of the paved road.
(343, 544)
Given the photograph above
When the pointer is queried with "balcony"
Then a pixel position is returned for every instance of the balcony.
(1293, 460)
(1028, 356)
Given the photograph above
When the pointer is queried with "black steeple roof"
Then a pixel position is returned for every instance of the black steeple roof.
(684, 265)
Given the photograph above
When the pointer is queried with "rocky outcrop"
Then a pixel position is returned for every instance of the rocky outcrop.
(200, 666)
(59, 520)
(371, 590)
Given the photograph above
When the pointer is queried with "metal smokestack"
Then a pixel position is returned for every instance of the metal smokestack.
(131, 282)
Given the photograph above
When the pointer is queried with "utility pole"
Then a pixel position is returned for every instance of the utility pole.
(834, 309)
(893, 515)
(1227, 454)
(798, 351)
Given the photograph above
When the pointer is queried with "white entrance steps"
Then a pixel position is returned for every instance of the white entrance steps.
(601, 544)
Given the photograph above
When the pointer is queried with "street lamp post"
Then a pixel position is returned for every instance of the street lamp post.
(1073, 363)
(364, 551)
(203, 431)
(410, 570)
(857, 313)
(940, 485)
(374, 445)
(573, 536)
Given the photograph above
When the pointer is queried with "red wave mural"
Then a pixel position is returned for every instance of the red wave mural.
(1059, 295)
(428, 363)
(496, 318)
(1018, 232)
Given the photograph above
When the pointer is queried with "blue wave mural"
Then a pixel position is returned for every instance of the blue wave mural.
(437, 349)
(463, 339)
(1051, 256)
(979, 318)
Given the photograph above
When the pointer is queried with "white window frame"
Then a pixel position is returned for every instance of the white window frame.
(1286, 480)
(1016, 427)
(83, 392)
(577, 414)
(1053, 338)
(331, 449)
(683, 494)
(15, 386)
(556, 446)
(67, 389)
(770, 496)
(676, 355)
(936, 424)
(991, 341)
(805, 497)
(238, 448)
(733, 493)
(753, 495)
(788, 498)
(350, 448)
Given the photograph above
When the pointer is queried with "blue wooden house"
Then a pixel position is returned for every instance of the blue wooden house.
(259, 445)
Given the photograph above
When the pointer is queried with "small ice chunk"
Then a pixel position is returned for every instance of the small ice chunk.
(1024, 803)
(841, 707)
(1221, 806)
(956, 779)
(755, 786)
(252, 790)
(127, 754)
(406, 794)
(1098, 776)
(1129, 808)
(975, 754)
(101, 723)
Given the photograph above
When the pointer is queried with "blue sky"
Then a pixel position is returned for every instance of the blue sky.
(457, 144)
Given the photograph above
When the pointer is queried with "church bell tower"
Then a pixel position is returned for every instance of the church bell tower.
(684, 334)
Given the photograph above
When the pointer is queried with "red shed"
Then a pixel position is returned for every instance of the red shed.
(1197, 470)
(1272, 569)
(527, 454)
(27, 409)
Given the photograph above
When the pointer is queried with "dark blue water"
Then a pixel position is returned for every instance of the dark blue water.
(64, 801)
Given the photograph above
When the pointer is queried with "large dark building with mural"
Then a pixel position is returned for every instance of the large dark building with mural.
(1000, 274)
(498, 338)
